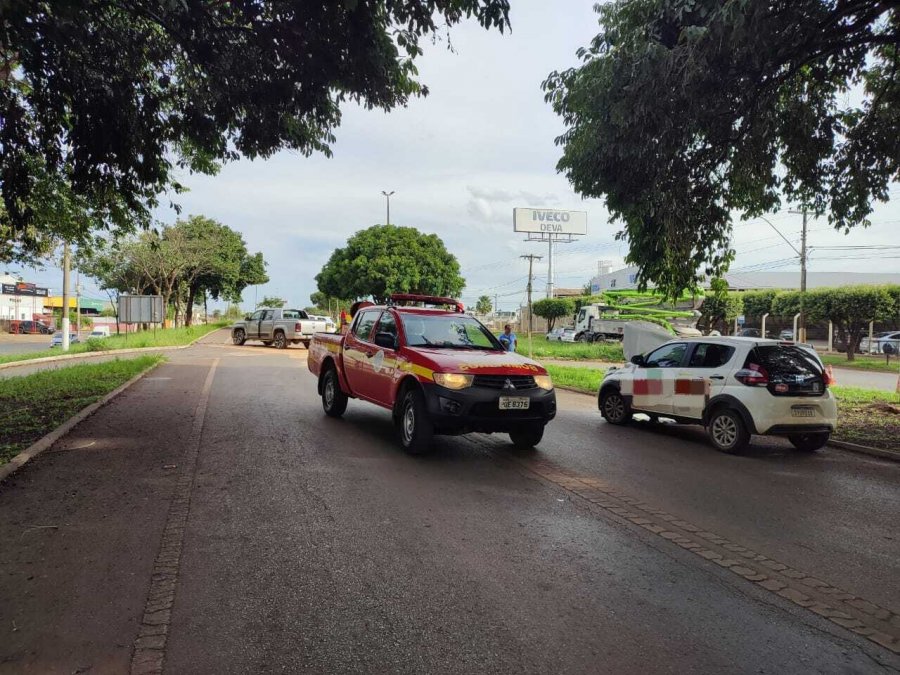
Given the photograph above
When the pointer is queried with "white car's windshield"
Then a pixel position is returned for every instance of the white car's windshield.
(448, 330)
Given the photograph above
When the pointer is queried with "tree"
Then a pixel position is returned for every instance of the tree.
(108, 100)
(386, 259)
(757, 303)
(685, 111)
(220, 264)
(552, 309)
(851, 308)
(484, 305)
(272, 302)
(720, 307)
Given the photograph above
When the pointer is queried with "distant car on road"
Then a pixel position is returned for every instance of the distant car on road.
(56, 340)
(98, 334)
(35, 327)
(786, 334)
(733, 386)
(330, 325)
(277, 326)
(555, 335)
(879, 340)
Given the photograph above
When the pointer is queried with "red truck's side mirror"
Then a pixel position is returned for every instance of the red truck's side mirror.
(386, 340)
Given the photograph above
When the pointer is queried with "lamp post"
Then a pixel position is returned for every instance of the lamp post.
(388, 196)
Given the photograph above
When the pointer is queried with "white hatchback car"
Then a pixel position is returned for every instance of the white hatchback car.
(733, 386)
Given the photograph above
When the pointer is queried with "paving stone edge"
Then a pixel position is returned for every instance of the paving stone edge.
(47, 441)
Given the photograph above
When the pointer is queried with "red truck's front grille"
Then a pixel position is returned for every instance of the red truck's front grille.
(508, 382)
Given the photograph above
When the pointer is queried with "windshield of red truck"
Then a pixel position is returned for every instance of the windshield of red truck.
(447, 330)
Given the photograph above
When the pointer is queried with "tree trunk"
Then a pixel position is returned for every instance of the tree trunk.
(205, 309)
(189, 310)
(852, 341)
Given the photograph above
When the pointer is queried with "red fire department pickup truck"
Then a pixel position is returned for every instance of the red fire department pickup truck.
(437, 370)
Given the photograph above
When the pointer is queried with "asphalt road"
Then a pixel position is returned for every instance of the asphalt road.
(213, 520)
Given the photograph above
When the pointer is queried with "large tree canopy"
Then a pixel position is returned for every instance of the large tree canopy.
(101, 100)
(685, 111)
(386, 259)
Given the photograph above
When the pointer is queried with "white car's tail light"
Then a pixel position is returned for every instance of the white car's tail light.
(752, 376)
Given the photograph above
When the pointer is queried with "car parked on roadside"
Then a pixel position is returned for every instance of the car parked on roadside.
(555, 335)
(879, 340)
(733, 386)
(786, 334)
(56, 340)
(568, 335)
(34, 327)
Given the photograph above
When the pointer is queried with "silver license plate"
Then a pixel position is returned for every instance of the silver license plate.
(803, 412)
(514, 403)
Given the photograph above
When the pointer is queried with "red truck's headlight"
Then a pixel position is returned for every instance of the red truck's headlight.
(544, 382)
(454, 380)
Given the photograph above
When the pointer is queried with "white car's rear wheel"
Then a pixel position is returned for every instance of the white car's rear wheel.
(809, 442)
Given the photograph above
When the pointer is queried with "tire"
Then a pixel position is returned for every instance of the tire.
(416, 430)
(527, 437)
(334, 401)
(614, 407)
(809, 442)
(238, 337)
(280, 341)
(727, 431)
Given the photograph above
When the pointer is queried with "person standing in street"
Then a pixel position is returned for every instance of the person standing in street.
(508, 339)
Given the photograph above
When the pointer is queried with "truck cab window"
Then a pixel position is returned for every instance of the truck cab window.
(363, 327)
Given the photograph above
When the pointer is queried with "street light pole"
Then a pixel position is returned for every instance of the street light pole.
(388, 196)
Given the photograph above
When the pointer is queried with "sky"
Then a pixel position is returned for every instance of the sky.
(459, 161)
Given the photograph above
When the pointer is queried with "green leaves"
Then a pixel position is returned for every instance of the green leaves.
(553, 309)
(685, 112)
(103, 101)
(386, 259)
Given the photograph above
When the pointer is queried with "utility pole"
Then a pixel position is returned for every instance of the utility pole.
(801, 328)
(65, 298)
(496, 304)
(531, 258)
(77, 302)
(550, 270)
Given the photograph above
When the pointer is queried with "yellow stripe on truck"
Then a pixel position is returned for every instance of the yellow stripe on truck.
(421, 371)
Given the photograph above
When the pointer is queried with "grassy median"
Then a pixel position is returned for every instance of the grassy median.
(865, 416)
(163, 337)
(576, 351)
(34, 405)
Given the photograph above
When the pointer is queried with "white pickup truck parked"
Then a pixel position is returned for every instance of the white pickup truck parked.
(278, 327)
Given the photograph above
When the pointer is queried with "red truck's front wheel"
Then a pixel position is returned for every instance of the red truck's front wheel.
(416, 430)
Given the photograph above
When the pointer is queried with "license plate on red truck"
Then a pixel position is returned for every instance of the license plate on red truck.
(514, 403)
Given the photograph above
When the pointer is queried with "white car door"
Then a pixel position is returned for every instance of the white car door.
(702, 378)
(653, 384)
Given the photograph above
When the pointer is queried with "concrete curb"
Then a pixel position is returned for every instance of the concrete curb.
(843, 445)
(110, 352)
(47, 441)
(866, 450)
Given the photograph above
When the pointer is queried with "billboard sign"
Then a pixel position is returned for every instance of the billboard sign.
(141, 309)
(549, 221)
(22, 288)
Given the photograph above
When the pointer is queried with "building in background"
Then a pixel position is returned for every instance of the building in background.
(21, 300)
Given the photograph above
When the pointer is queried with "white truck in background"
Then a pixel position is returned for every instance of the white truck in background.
(278, 327)
(600, 321)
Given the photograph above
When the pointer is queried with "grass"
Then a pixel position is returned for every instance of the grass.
(164, 337)
(865, 416)
(861, 362)
(33, 405)
(575, 351)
